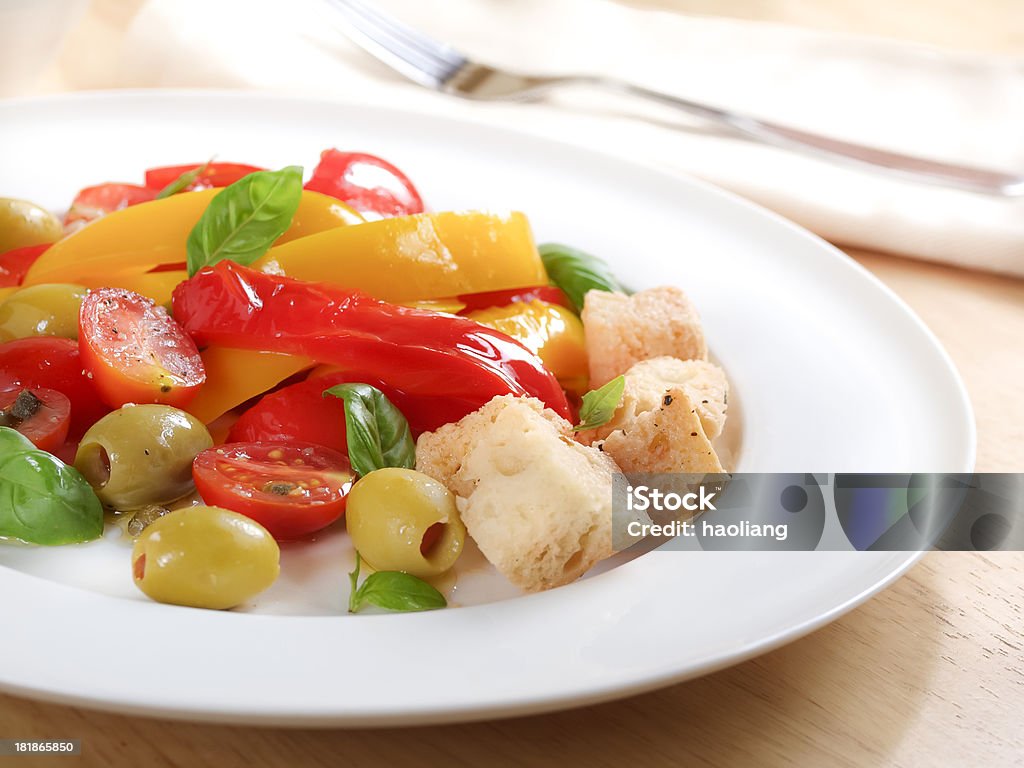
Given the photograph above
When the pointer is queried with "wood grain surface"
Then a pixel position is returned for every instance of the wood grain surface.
(930, 673)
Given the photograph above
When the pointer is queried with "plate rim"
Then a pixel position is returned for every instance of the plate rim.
(572, 698)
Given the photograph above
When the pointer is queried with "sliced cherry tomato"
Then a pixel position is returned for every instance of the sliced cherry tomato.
(367, 183)
(212, 175)
(15, 263)
(53, 363)
(135, 351)
(41, 415)
(95, 202)
(547, 293)
(291, 489)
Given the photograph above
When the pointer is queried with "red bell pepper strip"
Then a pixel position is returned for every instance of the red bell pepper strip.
(211, 175)
(413, 354)
(15, 263)
(547, 293)
(365, 182)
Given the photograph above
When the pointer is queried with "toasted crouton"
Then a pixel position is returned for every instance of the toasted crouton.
(622, 330)
(440, 453)
(537, 503)
(668, 438)
(648, 381)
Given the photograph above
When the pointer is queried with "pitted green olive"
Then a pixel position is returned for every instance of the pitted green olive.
(141, 454)
(403, 520)
(50, 309)
(23, 223)
(205, 557)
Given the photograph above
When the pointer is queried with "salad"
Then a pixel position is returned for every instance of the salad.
(226, 357)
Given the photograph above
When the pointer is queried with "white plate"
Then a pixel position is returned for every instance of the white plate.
(831, 373)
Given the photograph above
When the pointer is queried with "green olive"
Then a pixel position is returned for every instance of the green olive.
(50, 309)
(403, 520)
(141, 454)
(23, 223)
(205, 557)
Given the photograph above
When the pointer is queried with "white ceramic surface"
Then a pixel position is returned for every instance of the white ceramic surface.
(831, 372)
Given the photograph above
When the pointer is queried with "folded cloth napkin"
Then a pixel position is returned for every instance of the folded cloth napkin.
(903, 97)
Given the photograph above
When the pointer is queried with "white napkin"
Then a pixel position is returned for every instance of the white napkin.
(951, 106)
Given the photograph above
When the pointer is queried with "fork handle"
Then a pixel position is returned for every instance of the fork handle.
(916, 168)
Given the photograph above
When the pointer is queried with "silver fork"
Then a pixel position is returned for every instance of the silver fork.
(438, 66)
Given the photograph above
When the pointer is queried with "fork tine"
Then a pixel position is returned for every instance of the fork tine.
(416, 56)
(416, 39)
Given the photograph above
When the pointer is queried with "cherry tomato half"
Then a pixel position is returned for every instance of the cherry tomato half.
(41, 415)
(213, 175)
(53, 363)
(95, 202)
(365, 182)
(291, 489)
(135, 351)
(15, 263)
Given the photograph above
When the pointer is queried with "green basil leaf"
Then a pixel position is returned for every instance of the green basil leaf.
(42, 500)
(377, 433)
(12, 441)
(600, 404)
(576, 272)
(397, 591)
(353, 581)
(181, 183)
(244, 219)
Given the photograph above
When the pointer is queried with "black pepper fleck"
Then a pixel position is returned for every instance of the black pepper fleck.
(667, 400)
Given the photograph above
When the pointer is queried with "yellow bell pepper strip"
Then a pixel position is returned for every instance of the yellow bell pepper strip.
(220, 427)
(551, 331)
(424, 256)
(451, 306)
(236, 375)
(148, 235)
(157, 286)
(5, 292)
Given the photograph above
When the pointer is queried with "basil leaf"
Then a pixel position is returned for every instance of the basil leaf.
(376, 431)
(600, 404)
(397, 591)
(12, 441)
(182, 183)
(42, 500)
(353, 581)
(576, 272)
(244, 219)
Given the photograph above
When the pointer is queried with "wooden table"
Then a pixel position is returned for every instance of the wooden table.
(929, 673)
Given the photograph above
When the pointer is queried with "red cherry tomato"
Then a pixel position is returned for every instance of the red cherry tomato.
(135, 351)
(366, 182)
(291, 489)
(53, 363)
(547, 293)
(15, 263)
(41, 415)
(95, 202)
(213, 175)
